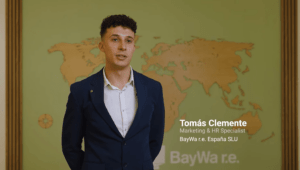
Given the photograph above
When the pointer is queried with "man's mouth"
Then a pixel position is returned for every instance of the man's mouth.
(121, 56)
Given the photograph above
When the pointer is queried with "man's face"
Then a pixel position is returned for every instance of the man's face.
(118, 42)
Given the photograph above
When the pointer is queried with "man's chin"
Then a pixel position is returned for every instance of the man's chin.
(120, 66)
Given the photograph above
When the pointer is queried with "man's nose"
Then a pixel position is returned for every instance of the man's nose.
(122, 45)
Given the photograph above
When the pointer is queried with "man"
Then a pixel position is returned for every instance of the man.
(119, 112)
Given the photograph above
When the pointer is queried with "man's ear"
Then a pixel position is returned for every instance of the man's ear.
(100, 46)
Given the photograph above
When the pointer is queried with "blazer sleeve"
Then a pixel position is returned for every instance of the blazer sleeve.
(157, 125)
(72, 133)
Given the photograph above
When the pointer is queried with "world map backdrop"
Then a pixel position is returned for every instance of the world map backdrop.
(215, 60)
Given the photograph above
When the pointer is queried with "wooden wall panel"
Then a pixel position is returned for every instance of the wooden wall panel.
(289, 86)
(14, 85)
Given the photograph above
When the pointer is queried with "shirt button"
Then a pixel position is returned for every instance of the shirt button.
(124, 143)
(125, 165)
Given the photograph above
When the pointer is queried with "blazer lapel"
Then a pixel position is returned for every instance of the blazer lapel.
(141, 91)
(97, 97)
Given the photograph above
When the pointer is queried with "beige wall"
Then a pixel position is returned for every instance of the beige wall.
(2, 84)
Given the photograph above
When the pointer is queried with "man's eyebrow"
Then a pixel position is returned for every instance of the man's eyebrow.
(118, 36)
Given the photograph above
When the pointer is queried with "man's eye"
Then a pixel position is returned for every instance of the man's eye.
(117, 39)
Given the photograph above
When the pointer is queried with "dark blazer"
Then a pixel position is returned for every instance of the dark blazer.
(105, 148)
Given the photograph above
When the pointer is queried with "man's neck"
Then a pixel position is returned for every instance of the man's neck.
(117, 77)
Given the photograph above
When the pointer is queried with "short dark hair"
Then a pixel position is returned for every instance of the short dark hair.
(117, 20)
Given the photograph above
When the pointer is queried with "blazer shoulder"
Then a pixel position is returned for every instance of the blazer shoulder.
(80, 89)
(148, 81)
(155, 88)
(82, 84)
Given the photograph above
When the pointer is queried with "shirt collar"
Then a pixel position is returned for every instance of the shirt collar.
(130, 81)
